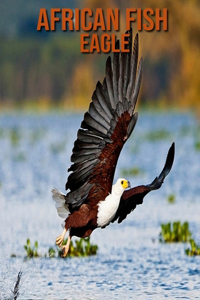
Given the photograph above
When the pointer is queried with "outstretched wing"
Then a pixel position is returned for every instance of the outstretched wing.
(105, 128)
(133, 197)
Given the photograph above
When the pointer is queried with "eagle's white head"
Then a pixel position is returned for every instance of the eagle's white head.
(119, 187)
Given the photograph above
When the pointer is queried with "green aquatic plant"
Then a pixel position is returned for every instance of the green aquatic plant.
(171, 198)
(193, 250)
(31, 252)
(175, 232)
(51, 252)
(82, 247)
(131, 172)
(161, 134)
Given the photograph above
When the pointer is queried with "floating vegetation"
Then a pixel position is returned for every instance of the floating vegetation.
(14, 136)
(31, 252)
(81, 247)
(131, 172)
(16, 288)
(51, 252)
(194, 250)
(174, 232)
(157, 135)
(171, 198)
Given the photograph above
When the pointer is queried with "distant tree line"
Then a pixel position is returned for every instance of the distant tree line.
(48, 67)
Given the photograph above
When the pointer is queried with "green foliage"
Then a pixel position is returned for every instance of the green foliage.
(51, 252)
(174, 232)
(82, 247)
(171, 198)
(131, 172)
(31, 252)
(193, 250)
(157, 135)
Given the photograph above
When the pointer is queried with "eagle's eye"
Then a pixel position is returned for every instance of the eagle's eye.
(122, 182)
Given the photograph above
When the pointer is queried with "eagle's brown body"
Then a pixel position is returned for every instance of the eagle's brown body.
(105, 128)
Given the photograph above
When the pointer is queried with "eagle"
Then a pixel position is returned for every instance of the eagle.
(92, 200)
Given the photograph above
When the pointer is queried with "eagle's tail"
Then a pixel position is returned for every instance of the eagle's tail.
(61, 206)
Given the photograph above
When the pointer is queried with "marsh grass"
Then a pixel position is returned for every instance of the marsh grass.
(175, 232)
(81, 247)
(31, 251)
(194, 249)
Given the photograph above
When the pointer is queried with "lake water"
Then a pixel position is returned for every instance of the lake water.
(131, 263)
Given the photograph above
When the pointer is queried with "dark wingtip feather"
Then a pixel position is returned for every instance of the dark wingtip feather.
(156, 184)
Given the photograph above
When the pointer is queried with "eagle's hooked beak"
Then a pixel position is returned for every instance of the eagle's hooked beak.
(129, 185)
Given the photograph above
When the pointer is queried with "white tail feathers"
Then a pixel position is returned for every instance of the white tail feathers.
(61, 207)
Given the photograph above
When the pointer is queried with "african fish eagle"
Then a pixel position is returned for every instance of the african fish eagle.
(92, 201)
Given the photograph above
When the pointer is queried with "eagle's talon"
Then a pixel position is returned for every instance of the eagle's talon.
(60, 238)
(59, 241)
(64, 251)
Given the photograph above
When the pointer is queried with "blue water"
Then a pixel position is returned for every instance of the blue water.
(131, 263)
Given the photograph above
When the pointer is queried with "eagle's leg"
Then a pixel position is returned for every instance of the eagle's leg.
(60, 238)
(65, 248)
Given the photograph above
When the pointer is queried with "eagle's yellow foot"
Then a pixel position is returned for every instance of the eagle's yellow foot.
(65, 248)
(60, 238)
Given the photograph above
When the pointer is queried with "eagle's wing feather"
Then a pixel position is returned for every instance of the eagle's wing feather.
(105, 128)
(134, 196)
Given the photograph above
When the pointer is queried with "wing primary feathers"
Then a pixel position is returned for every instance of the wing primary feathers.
(87, 137)
(99, 107)
(127, 63)
(109, 81)
(116, 72)
(132, 124)
(134, 63)
(89, 120)
(121, 76)
(157, 182)
(103, 99)
(137, 84)
(96, 116)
